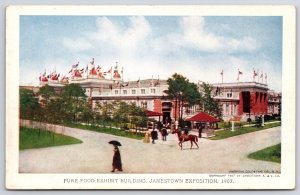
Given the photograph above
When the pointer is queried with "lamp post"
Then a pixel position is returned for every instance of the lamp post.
(232, 124)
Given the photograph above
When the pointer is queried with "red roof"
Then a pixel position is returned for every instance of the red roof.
(151, 113)
(203, 117)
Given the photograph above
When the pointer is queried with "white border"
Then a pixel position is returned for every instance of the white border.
(14, 180)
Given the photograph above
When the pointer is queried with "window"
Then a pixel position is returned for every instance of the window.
(133, 91)
(124, 92)
(229, 95)
(227, 109)
(116, 92)
(152, 90)
(144, 105)
(143, 91)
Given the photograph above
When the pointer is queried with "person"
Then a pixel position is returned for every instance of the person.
(200, 130)
(147, 137)
(164, 134)
(154, 135)
(185, 132)
(117, 163)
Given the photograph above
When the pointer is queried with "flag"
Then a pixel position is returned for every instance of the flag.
(75, 65)
(239, 73)
(254, 73)
(93, 61)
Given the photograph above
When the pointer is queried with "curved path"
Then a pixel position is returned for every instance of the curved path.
(94, 155)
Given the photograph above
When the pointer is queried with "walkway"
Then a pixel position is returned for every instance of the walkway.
(94, 155)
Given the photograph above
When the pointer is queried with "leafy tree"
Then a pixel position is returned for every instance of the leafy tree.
(137, 115)
(73, 91)
(74, 100)
(122, 113)
(47, 92)
(190, 96)
(55, 112)
(177, 84)
(210, 105)
(107, 110)
(29, 105)
(183, 92)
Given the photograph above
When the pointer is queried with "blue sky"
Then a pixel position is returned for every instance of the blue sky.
(197, 47)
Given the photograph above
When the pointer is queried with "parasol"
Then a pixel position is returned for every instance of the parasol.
(115, 143)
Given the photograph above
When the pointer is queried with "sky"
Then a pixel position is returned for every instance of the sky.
(198, 47)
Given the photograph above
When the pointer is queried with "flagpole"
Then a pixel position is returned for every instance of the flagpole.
(222, 75)
(122, 74)
(111, 73)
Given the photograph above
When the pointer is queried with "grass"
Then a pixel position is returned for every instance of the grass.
(35, 138)
(222, 134)
(108, 130)
(272, 154)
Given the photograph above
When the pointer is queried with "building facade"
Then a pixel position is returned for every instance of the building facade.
(238, 101)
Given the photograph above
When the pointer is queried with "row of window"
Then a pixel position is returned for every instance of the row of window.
(134, 91)
(230, 109)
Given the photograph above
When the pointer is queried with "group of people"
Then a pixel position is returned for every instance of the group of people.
(153, 134)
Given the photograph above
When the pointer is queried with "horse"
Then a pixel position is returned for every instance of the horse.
(182, 138)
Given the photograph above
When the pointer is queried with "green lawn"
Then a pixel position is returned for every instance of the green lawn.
(33, 138)
(222, 134)
(272, 154)
(108, 130)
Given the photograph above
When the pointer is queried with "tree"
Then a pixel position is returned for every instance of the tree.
(190, 96)
(137, 115)
(177, 84)
(107, 110)
(122, 113)
(183, 92)
(46, 92)
(210, 105)
(74, 100)
(29, 105)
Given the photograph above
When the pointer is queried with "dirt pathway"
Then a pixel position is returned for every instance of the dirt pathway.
(94, 155)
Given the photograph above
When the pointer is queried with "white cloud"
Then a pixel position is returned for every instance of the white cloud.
(122, 40)
(196, 35)
(76, 45)
(144, 54)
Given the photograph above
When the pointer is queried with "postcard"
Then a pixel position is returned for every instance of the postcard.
(150, 97)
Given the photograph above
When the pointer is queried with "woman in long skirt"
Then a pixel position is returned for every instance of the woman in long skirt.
(117, 163)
